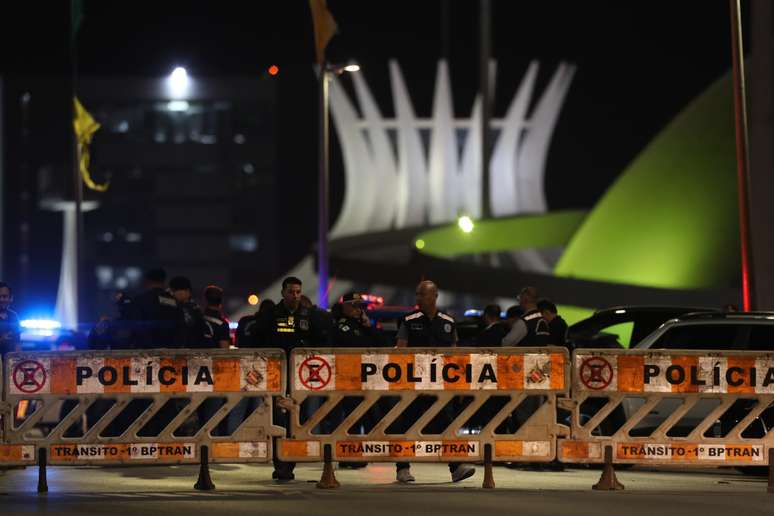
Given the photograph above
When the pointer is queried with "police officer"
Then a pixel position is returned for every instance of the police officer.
(154, 314)
(217, 333)
(10, 330)
(287, 326)
(532, 329)
(538, 332)
(247, 327)
(190, 327)
(428, 326)
(557, 326)
(352, 327)
(494, 329)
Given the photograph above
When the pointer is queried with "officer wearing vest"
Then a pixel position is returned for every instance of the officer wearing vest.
(428, 326)
(287, 326)
(532, 329)
(353, 328)
(538, 332)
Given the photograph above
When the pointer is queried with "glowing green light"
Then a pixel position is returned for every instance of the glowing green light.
(465, 224)
(420, 244)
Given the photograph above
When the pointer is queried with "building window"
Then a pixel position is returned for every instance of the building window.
(243, 243)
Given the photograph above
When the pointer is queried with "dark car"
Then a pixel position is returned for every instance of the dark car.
(623, 326)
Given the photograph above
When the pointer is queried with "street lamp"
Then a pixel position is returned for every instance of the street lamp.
(326, 73)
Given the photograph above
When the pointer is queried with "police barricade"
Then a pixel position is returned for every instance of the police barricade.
(12, 454)
(669, 407)
(424, 405)
(162, 406)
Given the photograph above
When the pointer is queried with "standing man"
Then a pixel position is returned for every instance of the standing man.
(216, 331)
(287, 326)
(10, 330)
(428, 326)
(494, 329)
(352, 329)
(190, 327)
(557, 326)
(531, 329)
(154, 313)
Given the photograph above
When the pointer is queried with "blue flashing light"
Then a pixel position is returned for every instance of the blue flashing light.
(233, 325)
(40, 324)
(472, 312)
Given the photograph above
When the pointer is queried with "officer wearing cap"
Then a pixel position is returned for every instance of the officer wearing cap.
(428, 326)
(352, 327)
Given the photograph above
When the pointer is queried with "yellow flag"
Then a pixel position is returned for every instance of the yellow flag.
(85, 126)
(324, 27)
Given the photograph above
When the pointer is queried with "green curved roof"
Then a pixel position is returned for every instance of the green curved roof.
(508, 234)
(670, 220)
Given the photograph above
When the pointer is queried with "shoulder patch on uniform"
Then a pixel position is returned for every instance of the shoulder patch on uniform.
(445, 316)
(411, 317)
(536, 315)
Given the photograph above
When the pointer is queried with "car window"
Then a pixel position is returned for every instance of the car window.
(622, 331)
(710, 336)
(761, 337)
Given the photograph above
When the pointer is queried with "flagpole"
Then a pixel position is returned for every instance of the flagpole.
(323, 183)
(77, 184)
(743, 168)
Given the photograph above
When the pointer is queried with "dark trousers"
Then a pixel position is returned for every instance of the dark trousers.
(281, 468)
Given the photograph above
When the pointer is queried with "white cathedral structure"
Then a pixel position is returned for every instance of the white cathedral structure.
(408, 171)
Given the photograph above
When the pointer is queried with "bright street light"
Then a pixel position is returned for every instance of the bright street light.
(352, 68)
(178, 82)
(465, 223)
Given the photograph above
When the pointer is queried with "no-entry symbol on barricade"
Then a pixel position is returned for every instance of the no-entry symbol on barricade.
(596, 373)
(29, 376)
(314, 373)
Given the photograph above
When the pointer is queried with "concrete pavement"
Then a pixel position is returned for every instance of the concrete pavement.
(248, 489)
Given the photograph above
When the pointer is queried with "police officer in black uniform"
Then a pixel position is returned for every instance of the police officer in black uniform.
(154, 314)
(494, 329)
(217, 333)
(428, 326)
(190, 327)
(352, 328)
(531, 329)
(538, 332)
(287, 326)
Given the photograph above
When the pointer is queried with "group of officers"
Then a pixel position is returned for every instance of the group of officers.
(165, 316)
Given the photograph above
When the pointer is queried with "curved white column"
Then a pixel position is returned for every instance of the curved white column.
(502, 168)
(412, 163)
(383, 169)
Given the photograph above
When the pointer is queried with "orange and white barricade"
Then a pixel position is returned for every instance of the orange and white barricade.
(425, 404)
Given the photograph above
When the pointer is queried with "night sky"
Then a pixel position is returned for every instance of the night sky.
(639, 63)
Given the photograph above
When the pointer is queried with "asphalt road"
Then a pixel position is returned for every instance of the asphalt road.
(248, 489)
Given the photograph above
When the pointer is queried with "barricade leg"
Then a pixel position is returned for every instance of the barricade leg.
(489, 482)
(42, 479)
(608, 480)
(204, 483)
(328, 479)
(771, 471)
